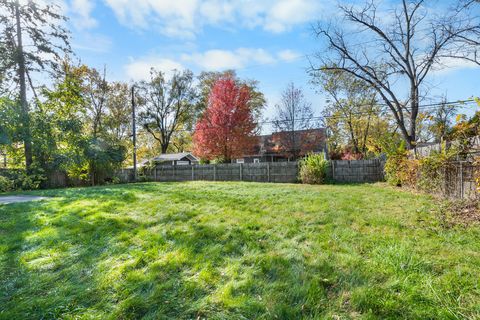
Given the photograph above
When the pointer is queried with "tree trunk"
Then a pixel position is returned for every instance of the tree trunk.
(92, 173)
(27, 139)
(412, 139)
(164, 147)
(352, 135)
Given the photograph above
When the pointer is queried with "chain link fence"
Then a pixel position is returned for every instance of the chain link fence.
(460, 180)
(455, 179)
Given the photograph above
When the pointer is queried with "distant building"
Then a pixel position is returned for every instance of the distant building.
(285, 146)
(179, 159)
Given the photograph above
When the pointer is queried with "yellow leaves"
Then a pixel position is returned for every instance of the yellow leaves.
(421, 116)
(477, 100)
(425, 116)
(460, 117)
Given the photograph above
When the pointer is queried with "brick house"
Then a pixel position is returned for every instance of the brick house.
(285, 146)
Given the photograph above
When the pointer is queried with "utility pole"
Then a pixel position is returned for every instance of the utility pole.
(134, 136)
(293, 135)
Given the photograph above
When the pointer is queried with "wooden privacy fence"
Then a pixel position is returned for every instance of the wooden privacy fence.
(286, 172)
(260, 172)
(358, 171)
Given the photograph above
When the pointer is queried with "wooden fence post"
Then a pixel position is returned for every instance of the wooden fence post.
(268, 171)
(461, 179)
(364, 172)
(155, 173)
(333, 170)
(193, 172)
(241, 172)
(214, 172)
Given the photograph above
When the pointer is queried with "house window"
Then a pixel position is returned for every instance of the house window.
(182, 163)
(241, 160)
(256, 160)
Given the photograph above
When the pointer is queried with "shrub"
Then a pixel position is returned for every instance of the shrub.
(29, 181)
(6, 184)
(396, 165)
(432, 169)
(426, 174)
(408, 172)
(313, 169)
(399, 169)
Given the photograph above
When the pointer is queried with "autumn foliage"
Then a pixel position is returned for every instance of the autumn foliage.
(227, 127)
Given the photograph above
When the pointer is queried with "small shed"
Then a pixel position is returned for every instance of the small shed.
(178, 159)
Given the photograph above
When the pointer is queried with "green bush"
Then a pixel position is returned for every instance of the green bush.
(399, 169)
(116, 180)
(313, 169)
(6, 184)
(30, 181)
(426, 174)
(432, 169)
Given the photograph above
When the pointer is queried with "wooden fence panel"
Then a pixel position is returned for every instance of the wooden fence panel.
(284, 172)
(228, 172)
(356, 171)
(255, 172)
(279, 172)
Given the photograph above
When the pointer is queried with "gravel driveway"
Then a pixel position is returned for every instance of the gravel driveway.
(15, 199)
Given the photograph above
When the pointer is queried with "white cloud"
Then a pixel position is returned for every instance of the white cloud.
(225, 59)
(186, 18)
(216, 12)
(92, 42)
(286, 13)
(211, 60)
(289, 55)
(140, 69)
(448, 65)
(82, 10)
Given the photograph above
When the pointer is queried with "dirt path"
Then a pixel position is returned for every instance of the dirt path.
(15, 199)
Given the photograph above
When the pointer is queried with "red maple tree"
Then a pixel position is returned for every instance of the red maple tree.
(227, 128)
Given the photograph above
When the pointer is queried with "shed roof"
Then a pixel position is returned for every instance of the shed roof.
(174, 156)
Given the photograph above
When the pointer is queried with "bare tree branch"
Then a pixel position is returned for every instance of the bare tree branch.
(406, 49)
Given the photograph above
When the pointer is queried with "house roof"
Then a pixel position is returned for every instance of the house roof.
(310, 140)
(278, 143)
(174, 157)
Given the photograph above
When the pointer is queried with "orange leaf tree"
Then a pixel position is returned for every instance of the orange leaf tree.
(227, 128)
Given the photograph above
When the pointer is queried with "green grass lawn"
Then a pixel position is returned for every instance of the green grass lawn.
(235, 251)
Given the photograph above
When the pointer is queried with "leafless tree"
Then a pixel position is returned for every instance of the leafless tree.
(293, 113)
(392, 50)
(468, 44)
(168, 106)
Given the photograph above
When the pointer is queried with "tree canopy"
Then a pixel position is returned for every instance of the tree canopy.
(227, 128)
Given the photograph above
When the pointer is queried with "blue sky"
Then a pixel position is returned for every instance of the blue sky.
(266, 40)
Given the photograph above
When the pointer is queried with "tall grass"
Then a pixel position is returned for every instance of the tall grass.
(313, 169)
